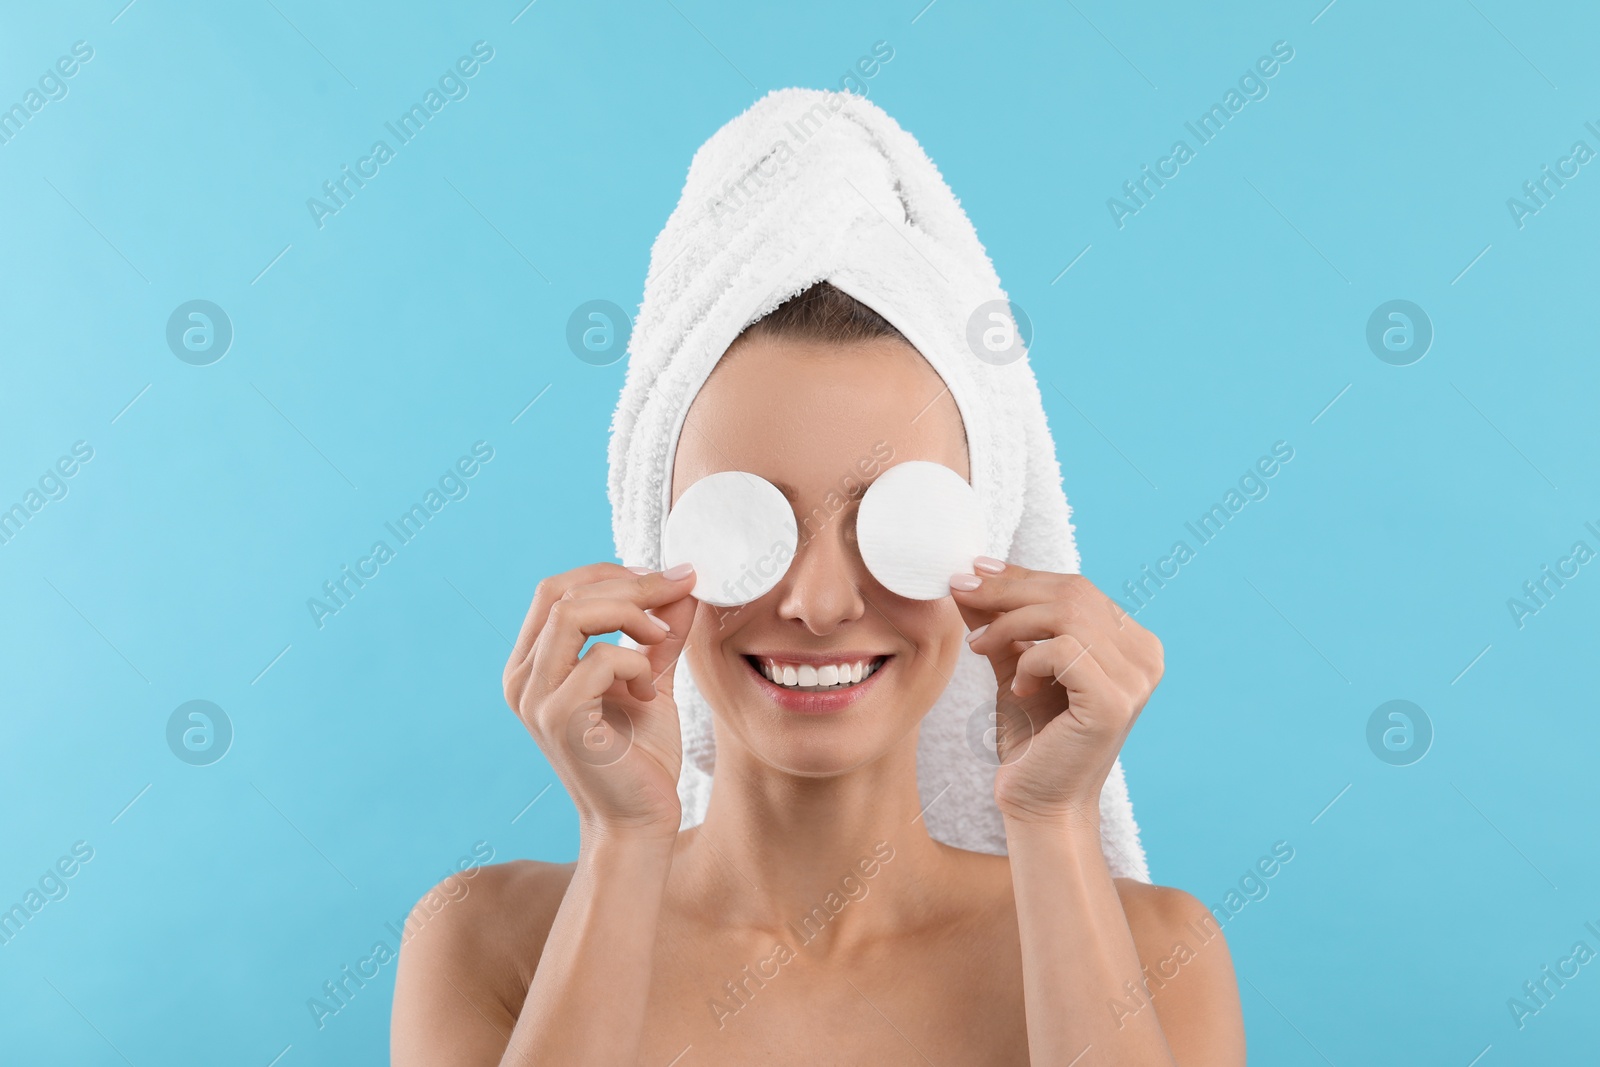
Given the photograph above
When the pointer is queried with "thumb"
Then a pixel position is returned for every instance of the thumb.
(664, 655)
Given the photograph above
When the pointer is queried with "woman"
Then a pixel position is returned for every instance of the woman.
(811, 917)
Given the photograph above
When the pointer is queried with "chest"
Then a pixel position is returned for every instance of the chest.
(941, 998)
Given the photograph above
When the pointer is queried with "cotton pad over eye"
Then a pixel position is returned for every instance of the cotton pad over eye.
(739, 532)
(918, 524)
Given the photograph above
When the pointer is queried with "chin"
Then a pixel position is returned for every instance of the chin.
(805, 757)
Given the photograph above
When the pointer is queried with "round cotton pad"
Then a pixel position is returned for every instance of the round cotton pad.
(739, 532)
(918, 524)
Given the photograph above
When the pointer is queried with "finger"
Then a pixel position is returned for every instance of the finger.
(974, 614)
(1013, 632)
(603, 666)
(664, 655)
(981, 612)
(597, 579)
(575, 619)
(975, 617)
(1016, 587)
(649, 590)
(552, 589)
(645, 590)
(1030, 623)
(1063, 659)
(1097, 676)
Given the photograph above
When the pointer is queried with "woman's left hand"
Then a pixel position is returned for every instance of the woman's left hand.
(1074, 671)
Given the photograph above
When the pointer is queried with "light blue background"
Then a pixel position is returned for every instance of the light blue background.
(1223, 317)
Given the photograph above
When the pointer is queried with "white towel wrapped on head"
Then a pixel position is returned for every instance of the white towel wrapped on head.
(808, 186)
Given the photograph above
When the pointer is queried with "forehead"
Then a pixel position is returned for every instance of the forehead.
(809, 416)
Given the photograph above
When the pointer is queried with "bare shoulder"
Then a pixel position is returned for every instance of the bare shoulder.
(1187, 975)
(468, 954)
(483, 912)
(1162, 910)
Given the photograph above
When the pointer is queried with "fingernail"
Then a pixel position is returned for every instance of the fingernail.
(989, 565)
(682, 570)
(1015, 679)
(663, 623)
(974, 635)
(640, 570)
(965, 582)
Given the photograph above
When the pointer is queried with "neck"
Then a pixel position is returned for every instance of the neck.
(801, 856)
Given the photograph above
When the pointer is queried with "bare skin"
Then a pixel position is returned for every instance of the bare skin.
(811, 919)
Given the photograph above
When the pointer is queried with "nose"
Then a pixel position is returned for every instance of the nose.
(821, 589)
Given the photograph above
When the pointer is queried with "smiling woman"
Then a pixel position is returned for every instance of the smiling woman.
(831, 713)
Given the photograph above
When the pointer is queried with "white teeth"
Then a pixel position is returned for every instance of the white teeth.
(831, 675)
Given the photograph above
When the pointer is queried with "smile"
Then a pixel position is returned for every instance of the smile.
(817, 677)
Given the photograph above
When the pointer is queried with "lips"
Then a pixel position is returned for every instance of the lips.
(816, 683)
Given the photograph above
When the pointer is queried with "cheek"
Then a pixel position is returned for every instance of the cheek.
(701, 651)
(936, 629)
(706, 653)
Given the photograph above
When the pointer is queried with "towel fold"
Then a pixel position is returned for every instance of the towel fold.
(807, 186)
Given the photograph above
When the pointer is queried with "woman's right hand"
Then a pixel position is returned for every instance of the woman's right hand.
(607, 720)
